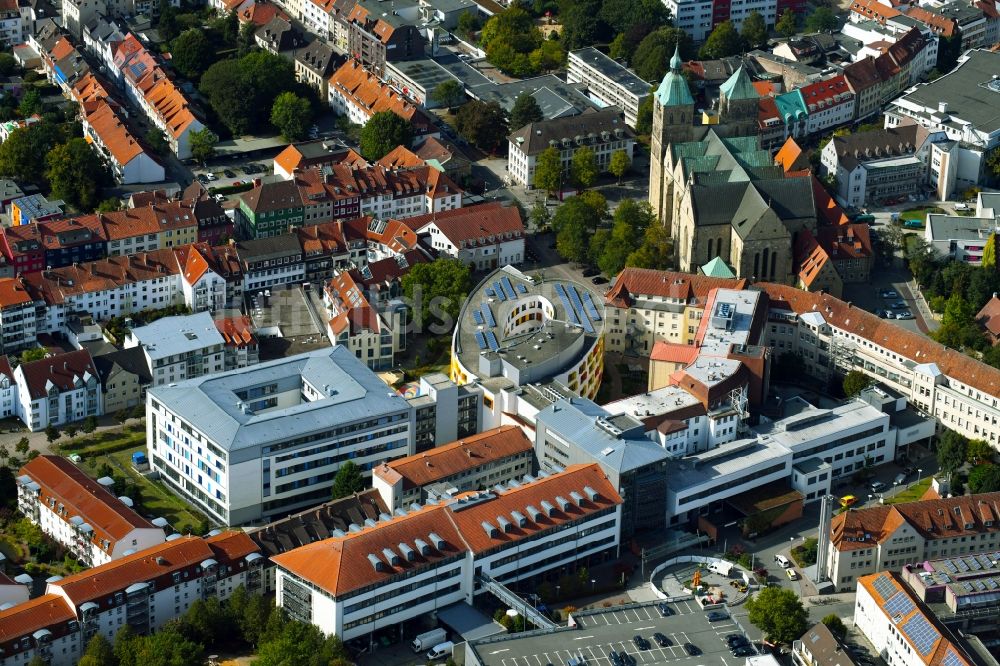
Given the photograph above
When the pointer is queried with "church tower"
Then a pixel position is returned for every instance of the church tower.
(738, 106)
(673, 122)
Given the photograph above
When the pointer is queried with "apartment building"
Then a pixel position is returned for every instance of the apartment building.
(241, 346)
(234, 444)
(58, 389)
(900, 627)
(179, 348)
(373, 332)
(886, 537)
(316, 62)
(143, 590)
(375, 37)
(80, 513)
(17, 316)
(485, 237)
(475, 463)
(359, 93)
(124, 377)
(608, 82)
(130, 161)
(819, 647)
(646, 306)
(267, 262)
(604, 132)
(960, 238)
(443, 411)
(8, 389)
(12, 27)
(424, 559)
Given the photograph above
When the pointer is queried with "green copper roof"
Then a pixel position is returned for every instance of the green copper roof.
(717, 268)
(739, 86)
(791, 106)
(673, 90)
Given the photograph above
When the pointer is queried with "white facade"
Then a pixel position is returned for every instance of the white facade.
(608, 82)
(521, 166)
(8, 397)
(823, 118)
(262, 278)
(504, 252)
(58, 407)
(316, 18)
(694, 17)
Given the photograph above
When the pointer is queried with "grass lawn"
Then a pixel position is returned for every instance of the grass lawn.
(911, 494)
(919, 213)
(156, 499)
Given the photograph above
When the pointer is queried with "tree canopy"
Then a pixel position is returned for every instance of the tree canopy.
(619, 164)
(483, 124)
(779, 613)
(525, 110)
(21, 154)
(979, 451)
(575, 221)
(984, 478)
(242, 91)
(202, 143)
(788, 24)
(347, 481)
(584, 167)
(383, 132)
(449, 93)
(822, 19)
(191, 53)
(754, 30)
(436, 291)
(951, 451)
(836, 626)
(548, 170)
(514, 44)
(723, 42)
(76, 174)
(855, 382)
(652, 55)
(291, 115)
(611, 248)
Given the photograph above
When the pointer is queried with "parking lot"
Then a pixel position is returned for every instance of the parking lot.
(598, 634)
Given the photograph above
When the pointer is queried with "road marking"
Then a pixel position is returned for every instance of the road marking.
(499, 651)
(581, 638)
(645, 628)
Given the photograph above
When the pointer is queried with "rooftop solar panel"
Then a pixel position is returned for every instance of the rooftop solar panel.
(570, 313)
(951, 658)
(480, 340)
(498, 292)
(521, 288)
(508, 288)
(477, 317)
(885, 587)
(574, 298)
(491, 340)
(899, 604)
(588, 302)
(921, 634)
(488, 315)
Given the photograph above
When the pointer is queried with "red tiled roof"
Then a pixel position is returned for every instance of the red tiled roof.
(400, 156)
(850, 241)
(236, 331)
(474, 225)
(939, 24)
(61, 370)
(826, 207)
(59, 283)
(989, 316)
(13, 292)
(40, 613)
(909, 344)
(445, 461)
(873, 9)
(340, 565)
(823, 94)
(668, 284)
(65, 483)
(368, 92)
(232, 544)
(791, 157)
(673, 353)
(195, 267)
(114, 134)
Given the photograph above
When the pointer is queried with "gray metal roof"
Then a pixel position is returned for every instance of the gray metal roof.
(353, 393)
(183, 334)
(576, 420)
(612, 69)
(956, 227)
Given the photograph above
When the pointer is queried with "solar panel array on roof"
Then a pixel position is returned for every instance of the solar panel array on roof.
(961, 564)
(884, 586)
(488, 315)
(521, 288)
(951, 658)
(489, 292)
(899, 604)
(574, 297)
(480, 340)
(588, 302)
(950, 566)
(508, 288)
(477, 317)
(921, 634)
(498, 291)
(570, 313)
(491, 340)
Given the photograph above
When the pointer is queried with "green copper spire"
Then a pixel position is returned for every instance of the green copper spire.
(673, 90)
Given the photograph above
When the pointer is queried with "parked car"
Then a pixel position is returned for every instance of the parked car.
(615, 658)
(228, 173)
(600, 279)
(665, 610)
(736, 640)
(889, 293)
(202, 178)
(640, 642)
(905, 314)
(211, 176)
(662, 640)
(792, 574)
(717, 616)
(590, 271)
(692, 649)
(744, 651)
(877, 486)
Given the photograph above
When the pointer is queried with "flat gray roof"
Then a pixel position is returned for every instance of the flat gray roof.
(612, 69)
(956, 227)
(969, 89)
(183, 334)
(426, 73)
(351, 393)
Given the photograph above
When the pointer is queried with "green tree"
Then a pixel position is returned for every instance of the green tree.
(619, 164)
(993, 162)
(469, 24)
(436, 291)
(990, 253)
(652, 55)
(70, 429)
(22, 446)
(621, 15)
(21, 153)
(449, 93)
(76, 174)
(509, 39)
(628, 227)
(836, 626)
(788, 24)
(549, 170)
(644, 121)
(583, 167)
(291, 115)
(822, 19)
(483, 124)
(157, 141)
(89, 424)
(347, 481)
(855, 382)
(575, 222)
(33, 354)
(51, 434)
(99, 652)
(779, 613)
(984, 479)
(167, 25)
(8, 64)
(223, 86)
(581, 23)
(949, 51)
(951, 448)
(191, 53)
(246, 41)
(525, 110)
(979, 451)
(723, 42)
(754, 31)
(109, 205)
(203, 144)
(383, 132)
(31, 103)
(540, 215)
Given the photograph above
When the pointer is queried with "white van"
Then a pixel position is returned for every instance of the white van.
(782, 561)
(440, 650)
(900, 478)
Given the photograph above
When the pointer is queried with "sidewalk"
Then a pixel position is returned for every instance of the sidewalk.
(38, 442)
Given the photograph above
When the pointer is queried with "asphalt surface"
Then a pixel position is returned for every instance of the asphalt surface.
(596, 635)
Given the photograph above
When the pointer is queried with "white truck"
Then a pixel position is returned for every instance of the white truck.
(429, 639)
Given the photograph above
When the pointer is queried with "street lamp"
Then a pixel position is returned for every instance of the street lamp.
(920, 473)
(593, 582)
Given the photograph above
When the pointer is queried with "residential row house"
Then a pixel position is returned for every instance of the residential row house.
(58, 389)
(876, 80)
(144, 591)
(359, 93)
(131, 161)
